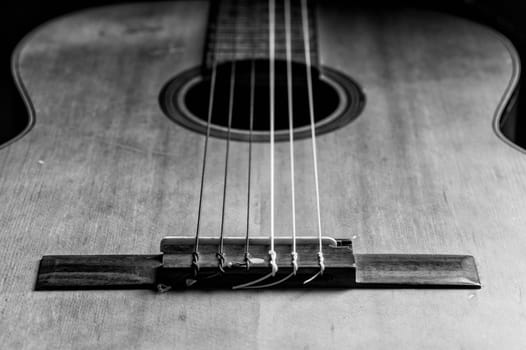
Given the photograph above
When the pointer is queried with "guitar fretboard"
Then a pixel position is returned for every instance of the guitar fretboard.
(239, 30)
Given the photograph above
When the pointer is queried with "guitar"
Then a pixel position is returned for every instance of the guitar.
(256, 140)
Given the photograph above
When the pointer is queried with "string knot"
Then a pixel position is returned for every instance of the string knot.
(221, 260)
(195, 263)
(247, 261)
(321, 262)
(272, 262)
(294, 262)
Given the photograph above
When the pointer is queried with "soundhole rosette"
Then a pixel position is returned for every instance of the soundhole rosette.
(338, 100)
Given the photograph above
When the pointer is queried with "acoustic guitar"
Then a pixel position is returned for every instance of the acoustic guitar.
(317, 176)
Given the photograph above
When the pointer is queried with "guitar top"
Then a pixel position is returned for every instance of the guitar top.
(176, 119)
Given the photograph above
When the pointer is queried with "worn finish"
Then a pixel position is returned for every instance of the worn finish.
(390, 270)
(420, 171)
(98, 271)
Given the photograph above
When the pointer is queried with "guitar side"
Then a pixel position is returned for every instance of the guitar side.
(103, 171)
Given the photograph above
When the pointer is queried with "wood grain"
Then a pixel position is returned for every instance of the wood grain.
(98, 272)
(103, 171)
(174, 271)
(422, 270)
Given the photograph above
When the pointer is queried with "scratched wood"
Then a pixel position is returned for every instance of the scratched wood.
(422, 170)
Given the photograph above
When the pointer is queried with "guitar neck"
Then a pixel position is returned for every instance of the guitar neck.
(237, 31)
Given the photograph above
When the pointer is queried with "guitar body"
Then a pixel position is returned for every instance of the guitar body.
(423, 169)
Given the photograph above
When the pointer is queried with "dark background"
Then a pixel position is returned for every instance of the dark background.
(18, 18)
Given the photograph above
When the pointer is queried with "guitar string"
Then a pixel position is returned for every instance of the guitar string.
(268, 285)
(272, 253)
(246, 257)
(221, 253)
(294, 255)
(272, 52)
(249, 179)
(195, 253)
(288, 45)
(306, 41)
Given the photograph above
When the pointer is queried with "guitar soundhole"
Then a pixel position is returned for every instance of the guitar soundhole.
(337, 100)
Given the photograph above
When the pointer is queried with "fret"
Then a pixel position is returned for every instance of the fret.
(260, 55)
(259, 52)
(227, 37)
(238, 30)
(247, 45)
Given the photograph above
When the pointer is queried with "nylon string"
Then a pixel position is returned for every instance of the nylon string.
(294, 254)
(221, 253)
(272, 253)
(195, 254)
(249, 181)
(272, 52)
(306, 40)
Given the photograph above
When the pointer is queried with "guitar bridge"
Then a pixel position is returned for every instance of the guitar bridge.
(174, 269)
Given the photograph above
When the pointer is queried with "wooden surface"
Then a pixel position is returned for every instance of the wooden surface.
(103, 171)
(174, 272)
(78, 272)
(421, 270)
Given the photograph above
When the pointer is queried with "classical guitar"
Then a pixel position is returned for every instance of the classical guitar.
(330, 175)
